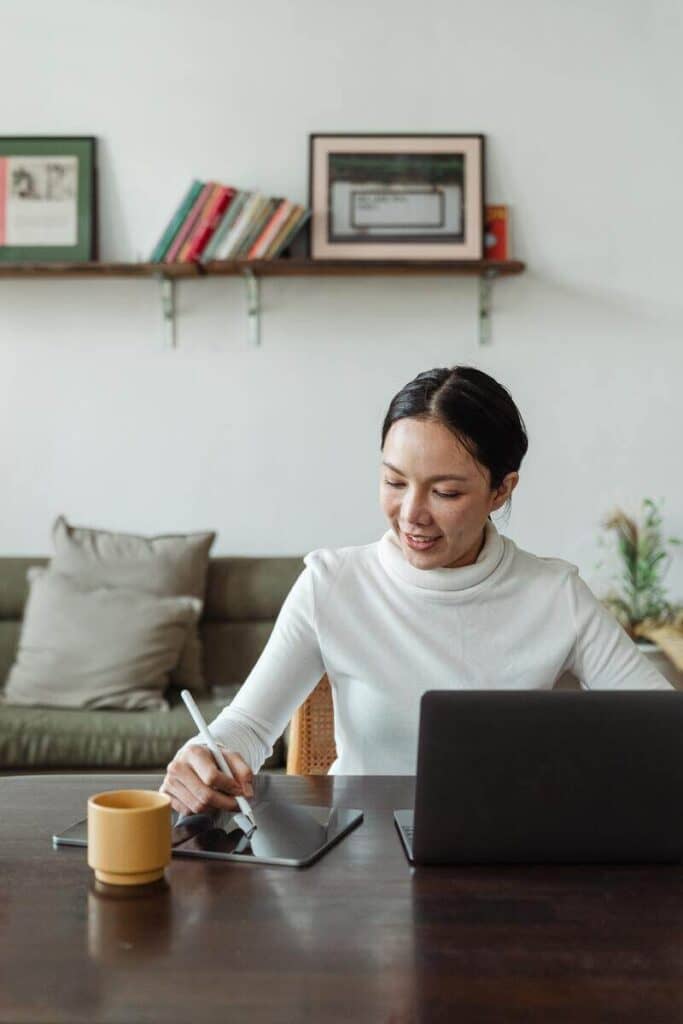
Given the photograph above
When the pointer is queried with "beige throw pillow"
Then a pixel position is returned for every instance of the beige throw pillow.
(168, 565)
(108, 647)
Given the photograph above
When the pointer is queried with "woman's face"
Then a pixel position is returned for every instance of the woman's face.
(431, 486)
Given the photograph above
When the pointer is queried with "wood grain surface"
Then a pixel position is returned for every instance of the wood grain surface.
(358, 936)
(267, 268)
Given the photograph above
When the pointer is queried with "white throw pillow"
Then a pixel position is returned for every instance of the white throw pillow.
(102, 647)
(169, 565)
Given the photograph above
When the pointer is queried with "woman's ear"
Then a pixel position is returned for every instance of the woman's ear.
(505, 490)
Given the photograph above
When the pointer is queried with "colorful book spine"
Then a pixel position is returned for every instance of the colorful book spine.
(249, 234)
(256, 226)
(276, 243)
(239, 228)
(207, 223)
(292, 229)
(216, 222)
(199, 222)
(260, 246)
(229, 217)
(189, 223)
(177, 219)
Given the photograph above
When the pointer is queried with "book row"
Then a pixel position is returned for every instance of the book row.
(219, 222)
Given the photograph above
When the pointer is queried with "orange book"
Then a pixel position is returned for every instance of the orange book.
(286, 232)
(496, 233)
(269, 232)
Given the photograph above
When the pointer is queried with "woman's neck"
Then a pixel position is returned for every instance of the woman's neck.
(470, 557)
(465, 578)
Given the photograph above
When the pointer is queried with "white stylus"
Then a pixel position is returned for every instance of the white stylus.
(245, 820)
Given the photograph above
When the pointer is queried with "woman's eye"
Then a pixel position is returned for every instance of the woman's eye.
(441, 494)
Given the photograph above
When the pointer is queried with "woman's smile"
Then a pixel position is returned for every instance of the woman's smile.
(419, 543)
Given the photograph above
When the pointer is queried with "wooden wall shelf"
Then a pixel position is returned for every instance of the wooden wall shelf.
(265, 268)
(252, 270)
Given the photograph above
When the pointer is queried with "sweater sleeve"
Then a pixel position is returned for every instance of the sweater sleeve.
(603, 656)
(288, 669)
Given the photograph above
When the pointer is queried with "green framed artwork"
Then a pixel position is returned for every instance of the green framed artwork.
(48, 199)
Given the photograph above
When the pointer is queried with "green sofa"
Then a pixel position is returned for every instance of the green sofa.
(243, 598)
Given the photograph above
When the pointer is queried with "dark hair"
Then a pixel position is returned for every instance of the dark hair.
(475, 408)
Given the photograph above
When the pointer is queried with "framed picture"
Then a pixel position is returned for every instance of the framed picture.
(47, 199)
(396, 197)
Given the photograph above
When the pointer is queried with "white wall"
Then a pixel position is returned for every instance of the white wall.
(277, 447)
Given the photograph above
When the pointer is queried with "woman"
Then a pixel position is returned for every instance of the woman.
(441, 601)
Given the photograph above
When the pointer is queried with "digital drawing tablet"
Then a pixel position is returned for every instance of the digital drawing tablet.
(292, 835)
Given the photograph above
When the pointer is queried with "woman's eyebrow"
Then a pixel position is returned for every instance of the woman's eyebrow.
(430, 479)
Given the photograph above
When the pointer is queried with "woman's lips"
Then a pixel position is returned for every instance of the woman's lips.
(420, 545)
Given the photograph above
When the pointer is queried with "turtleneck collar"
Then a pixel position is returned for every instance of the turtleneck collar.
(462, 578)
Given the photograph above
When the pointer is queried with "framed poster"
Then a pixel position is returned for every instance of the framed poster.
(396, 197)
(47, 199)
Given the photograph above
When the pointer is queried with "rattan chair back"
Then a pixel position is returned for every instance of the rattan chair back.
(311, 734)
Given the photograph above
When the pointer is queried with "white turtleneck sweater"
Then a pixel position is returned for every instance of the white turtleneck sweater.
(385, 631)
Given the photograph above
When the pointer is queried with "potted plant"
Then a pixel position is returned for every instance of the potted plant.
(639, 600)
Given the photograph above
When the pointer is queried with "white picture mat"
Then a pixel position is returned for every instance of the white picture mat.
(41, 200)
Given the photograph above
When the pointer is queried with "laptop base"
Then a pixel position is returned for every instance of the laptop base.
(404, 820)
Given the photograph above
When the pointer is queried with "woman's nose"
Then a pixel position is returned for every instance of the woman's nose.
(415, 509)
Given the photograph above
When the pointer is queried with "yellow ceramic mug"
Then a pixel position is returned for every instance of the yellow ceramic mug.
(129, 836)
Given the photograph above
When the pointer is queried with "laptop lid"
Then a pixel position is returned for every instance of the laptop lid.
(525, 776)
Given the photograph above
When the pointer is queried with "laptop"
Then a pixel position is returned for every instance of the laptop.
(540, 777)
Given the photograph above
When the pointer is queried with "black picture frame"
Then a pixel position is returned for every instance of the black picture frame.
(396, 196)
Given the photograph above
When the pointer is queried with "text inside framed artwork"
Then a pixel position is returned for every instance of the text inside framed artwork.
(387, 197)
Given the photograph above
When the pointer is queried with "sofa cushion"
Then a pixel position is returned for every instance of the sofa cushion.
(9, 644)
(243, 598)
(13, 596)
(97, 648)
(56, 738)
(231, 649)
(248, 589)
(14, 585)
(167, 565)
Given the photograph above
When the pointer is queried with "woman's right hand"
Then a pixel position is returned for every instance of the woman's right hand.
(196, 784)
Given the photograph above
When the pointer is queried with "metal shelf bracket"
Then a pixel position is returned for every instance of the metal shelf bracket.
(253, 306)
(167, 290)
(485, 294)
(167, 287)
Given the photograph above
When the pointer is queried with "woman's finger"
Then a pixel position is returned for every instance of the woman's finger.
(204, 764)
(176, 804)
(202, 797)
(241, 771)
(182, 799)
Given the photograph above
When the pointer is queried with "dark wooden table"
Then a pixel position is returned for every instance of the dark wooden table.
(358, 936)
